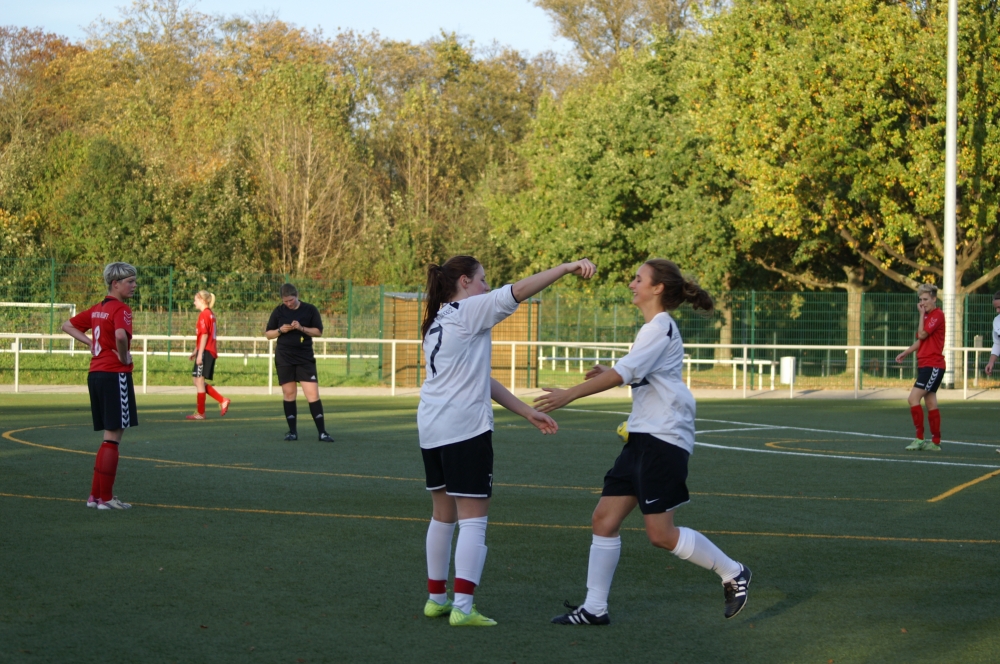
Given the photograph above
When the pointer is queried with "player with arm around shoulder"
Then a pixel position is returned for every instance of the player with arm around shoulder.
(455, 420)
(112, 394)
(651, 470)
(204, 355)
(294, 324)
(929, 347)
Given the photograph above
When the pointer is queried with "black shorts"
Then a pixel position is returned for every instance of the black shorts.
(652, 470)
(207, 368)
(112, 400)
(463, 469)
(297, 373)
(929, 378)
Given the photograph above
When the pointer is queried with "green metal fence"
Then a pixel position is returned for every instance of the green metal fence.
(163, 304)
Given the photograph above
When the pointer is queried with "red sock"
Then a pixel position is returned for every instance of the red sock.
(212, 392)
(465, 587)
(436, 587)
(95, 484)
(201, 403)
(934, 417)
(107, 468)
(917, 413)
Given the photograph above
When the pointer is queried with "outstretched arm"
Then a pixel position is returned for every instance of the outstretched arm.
(529, 286)
(503, 396)
(599, 379)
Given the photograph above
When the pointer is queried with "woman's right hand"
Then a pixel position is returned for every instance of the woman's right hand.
(285, 329)
(901, 357)
(989, 366)
(596, 371)
(582, 268)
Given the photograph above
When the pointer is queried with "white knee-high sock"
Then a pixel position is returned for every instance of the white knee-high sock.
(470, 557)
(698, 549)
(604, 555)
(438, 558)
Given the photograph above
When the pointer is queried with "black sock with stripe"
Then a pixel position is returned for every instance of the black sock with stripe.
(316, 409)
(290, 412)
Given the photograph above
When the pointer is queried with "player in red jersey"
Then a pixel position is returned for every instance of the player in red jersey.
(112, 396)
(929, 347)
(204, 355)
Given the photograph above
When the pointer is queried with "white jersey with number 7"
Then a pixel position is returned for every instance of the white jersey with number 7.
(455, 402)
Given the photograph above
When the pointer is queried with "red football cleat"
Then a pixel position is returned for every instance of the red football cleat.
(196, 416)
(224, 407)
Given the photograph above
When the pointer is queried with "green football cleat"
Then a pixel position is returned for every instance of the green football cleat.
(434, 610)
(931, 447)
(917, 444)
(474, 618)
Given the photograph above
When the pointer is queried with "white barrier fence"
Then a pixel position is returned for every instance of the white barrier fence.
(743, 363)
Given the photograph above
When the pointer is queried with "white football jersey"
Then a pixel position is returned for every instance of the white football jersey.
(662, 405)
(996, 337)
(455, 403)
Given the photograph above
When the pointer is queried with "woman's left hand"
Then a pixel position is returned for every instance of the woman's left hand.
(555, 398)
(543, 422)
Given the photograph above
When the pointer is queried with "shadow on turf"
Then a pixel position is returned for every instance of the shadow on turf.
(775, 610)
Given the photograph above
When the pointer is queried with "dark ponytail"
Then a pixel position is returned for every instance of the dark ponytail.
(442, 283)
(676, 289)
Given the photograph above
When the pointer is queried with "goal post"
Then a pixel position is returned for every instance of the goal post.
(51, 306)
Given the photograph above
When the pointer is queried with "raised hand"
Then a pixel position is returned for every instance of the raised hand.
(583, 268)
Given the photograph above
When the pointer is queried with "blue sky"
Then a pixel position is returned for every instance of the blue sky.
(516, 23)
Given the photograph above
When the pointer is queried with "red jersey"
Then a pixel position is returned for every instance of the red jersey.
(931, 351)
(104, 319)
(206, 326)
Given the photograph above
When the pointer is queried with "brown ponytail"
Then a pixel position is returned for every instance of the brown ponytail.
(442, 283)
(676, 289)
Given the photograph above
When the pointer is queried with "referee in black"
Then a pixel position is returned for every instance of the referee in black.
(294, 323)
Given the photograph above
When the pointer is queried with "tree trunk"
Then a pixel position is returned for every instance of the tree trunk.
(725, 309)
(855, 292)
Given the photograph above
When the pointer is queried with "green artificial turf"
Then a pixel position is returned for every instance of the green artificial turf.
(243, 548)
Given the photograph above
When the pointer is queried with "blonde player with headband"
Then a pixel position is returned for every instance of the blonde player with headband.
(204, 355)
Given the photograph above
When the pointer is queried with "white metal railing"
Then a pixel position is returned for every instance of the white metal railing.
(602, 352)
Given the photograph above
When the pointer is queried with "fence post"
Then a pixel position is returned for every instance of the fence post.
(52, 300)
(965, 374)
(392, 383)
(170, 310)
(746, 352)
(17, 363)
(381, 328)
(857, 370)
(145, 348)
(350, 294)
(513, 364)
(270, 366)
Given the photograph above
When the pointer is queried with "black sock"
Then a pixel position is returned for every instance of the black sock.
(290, 412)
(316, 408)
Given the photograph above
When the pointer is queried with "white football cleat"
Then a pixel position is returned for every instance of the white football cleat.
(91, 501)
(113, 504)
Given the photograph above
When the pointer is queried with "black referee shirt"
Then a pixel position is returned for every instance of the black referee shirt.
(294, 347)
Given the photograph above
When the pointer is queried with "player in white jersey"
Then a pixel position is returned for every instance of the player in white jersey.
(455, 420)
(652, 468)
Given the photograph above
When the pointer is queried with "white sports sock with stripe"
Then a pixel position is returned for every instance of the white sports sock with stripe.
(439, 536)
(470, 556)
(604, 555)
(698, 549)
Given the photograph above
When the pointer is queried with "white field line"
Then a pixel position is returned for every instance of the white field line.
(757, 426)
(848, 458)
(753, 426)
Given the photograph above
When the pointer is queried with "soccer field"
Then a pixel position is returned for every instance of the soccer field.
(244, 548)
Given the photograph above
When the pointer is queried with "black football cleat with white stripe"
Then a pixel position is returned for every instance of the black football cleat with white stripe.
(325, 438)
(580, 616)
(736, 592)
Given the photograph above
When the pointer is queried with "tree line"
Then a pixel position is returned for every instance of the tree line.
(760, 144)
